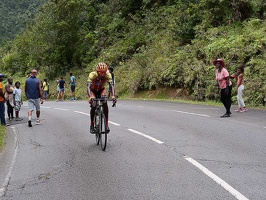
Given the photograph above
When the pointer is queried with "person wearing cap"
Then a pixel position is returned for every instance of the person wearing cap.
(225, 85)
(2, 101)
(34, 94)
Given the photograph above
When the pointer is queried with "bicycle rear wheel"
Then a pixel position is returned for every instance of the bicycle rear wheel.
(103, 131)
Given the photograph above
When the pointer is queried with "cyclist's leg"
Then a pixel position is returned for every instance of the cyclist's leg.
(92, 113)
(93, 107)
(106, 112)
(105, 106)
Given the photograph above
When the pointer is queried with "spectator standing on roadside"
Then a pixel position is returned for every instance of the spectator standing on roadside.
(9, 88)
(45, 88)
(57, 87)
(240, 88)
(225, 85)
(2, 101)
(72, 86)
(34, 94)
(61, 94)
(17, 100)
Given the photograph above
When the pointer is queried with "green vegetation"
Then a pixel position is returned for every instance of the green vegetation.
(14, 15)
(2, 137)
(151, 44)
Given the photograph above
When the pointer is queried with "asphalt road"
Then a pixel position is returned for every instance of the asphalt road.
(155, 150)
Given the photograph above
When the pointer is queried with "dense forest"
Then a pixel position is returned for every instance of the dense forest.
(14, 14)
(150, 43)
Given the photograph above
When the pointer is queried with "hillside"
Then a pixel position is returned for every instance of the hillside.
(14, 14)
(151, 44)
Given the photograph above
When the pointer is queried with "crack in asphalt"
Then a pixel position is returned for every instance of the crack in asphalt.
(36, 144)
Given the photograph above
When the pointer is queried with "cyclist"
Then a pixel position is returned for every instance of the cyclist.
(96, 89)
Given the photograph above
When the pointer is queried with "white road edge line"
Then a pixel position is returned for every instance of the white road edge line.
(83, 113)
(218, 180)
(8, 177)
(203, 115)
(146, 136)
(61, 109)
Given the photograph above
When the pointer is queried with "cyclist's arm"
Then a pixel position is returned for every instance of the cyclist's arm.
(91, 77)
(111, 84)
(89, 89)
(112, 89)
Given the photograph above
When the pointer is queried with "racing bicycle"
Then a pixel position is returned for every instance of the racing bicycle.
(100, 127)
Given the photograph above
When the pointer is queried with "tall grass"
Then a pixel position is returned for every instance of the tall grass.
(2, 136)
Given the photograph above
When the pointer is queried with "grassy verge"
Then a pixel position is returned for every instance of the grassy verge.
(176, 95)
(2, 137)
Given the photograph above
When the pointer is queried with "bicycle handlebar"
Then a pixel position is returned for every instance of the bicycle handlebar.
(97, 99)
(104, 99)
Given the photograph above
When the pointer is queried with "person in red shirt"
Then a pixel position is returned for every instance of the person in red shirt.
(96, 89)
(225, 85)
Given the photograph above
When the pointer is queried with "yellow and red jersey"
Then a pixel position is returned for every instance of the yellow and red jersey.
(98, 82)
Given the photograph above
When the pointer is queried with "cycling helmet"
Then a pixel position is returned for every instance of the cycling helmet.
(102, 67)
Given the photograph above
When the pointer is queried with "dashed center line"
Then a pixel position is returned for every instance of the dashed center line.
(83, 113)
(189, 113)
(146, 136)
(116, 124)
(61, 109)
(45, 107)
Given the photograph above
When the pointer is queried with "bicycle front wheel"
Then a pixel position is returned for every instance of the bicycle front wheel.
(97, 137)
(103, 132)
(96, 128)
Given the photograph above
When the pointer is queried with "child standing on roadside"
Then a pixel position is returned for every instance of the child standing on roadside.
(17, 100)
(240, 88)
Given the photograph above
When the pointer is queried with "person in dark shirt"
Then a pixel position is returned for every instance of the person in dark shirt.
(34, 94)
(61, 93)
